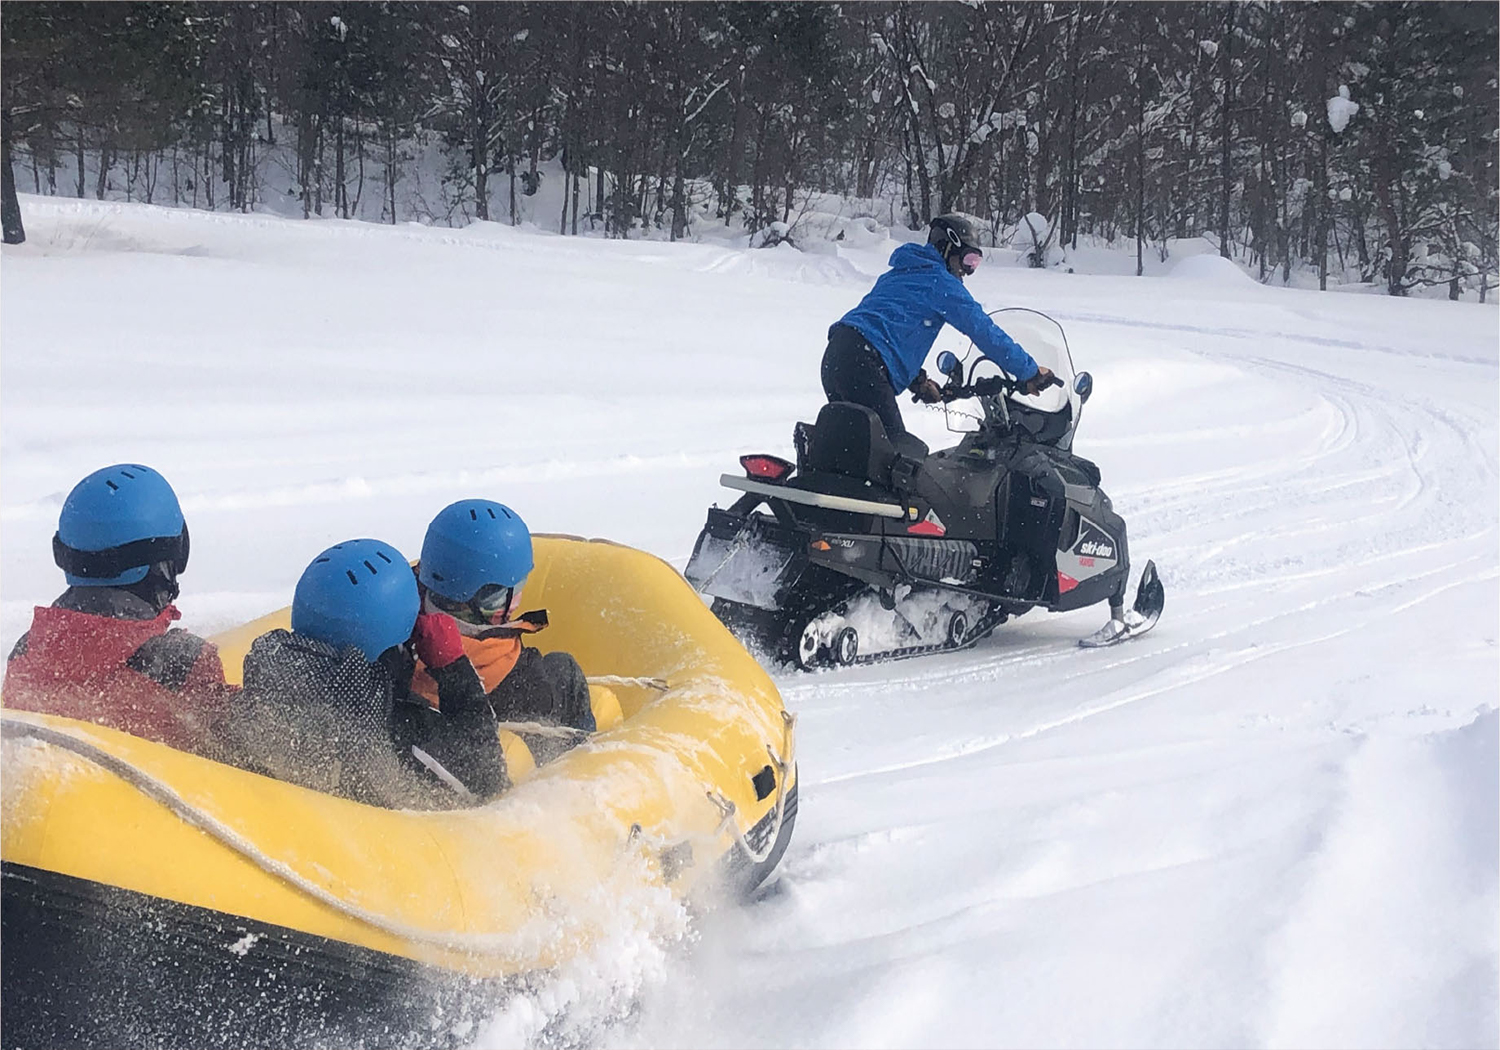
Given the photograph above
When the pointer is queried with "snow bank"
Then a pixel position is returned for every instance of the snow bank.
(1398, 910)
(1210, 269)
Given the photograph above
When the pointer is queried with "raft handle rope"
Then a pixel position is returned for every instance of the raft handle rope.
(544, 729)
(726, 807)
(156, 790)
(441, 772)
(660, 685)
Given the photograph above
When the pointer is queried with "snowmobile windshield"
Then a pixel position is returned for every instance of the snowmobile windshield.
(1042, 338)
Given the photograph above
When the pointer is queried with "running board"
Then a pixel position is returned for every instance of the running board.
(812, 499)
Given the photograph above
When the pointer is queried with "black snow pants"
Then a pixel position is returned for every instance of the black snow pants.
(853, 371)
(550, 689)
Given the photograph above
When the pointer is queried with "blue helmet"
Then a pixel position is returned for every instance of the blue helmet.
(360, 593)
(472, 544)
(116, 524)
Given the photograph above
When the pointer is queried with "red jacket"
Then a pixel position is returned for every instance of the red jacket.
(140, 676)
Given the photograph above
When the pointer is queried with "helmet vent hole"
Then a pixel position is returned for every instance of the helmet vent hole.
(321, 561)
(352, 578)
(383, 557)
(473, 514)
(128, 474)
(112, 486)
(438, 576)
(372, 568)
(491, 510)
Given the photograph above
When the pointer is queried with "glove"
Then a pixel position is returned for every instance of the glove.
(1039, 382)
(925, 390)
(437, 640)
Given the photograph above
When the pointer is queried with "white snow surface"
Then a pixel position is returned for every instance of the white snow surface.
(1210, 269)
(1270, 822)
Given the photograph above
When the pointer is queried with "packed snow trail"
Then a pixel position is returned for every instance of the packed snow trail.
(1272, 821)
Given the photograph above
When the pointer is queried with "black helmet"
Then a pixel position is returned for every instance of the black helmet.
(952, 235)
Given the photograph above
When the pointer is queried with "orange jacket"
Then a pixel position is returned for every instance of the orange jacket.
(492, 657)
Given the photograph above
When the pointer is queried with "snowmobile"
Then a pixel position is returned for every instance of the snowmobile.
(872, 549)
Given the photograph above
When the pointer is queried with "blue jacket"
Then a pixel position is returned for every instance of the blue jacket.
(902, 314)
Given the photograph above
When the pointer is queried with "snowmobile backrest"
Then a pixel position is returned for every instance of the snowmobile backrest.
(850, 439)
(802, 440)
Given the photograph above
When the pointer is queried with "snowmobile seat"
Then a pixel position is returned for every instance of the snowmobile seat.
(849, 439)
(911, 446)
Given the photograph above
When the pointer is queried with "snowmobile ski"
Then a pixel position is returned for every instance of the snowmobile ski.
(1150, 596)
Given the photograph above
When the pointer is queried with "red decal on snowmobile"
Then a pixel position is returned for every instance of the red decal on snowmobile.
(930, 525)
(1065, 583)
(1087, 563)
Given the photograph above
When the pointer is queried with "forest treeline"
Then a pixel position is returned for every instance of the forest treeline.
(1357, 138)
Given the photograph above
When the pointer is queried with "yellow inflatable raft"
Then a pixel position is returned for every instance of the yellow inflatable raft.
(153, 895)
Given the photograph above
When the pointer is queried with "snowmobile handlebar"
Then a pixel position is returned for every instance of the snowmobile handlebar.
(988, 387)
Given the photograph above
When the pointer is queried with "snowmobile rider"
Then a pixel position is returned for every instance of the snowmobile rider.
(106, 651)
(329, 705)
(475, 560)
(876, 349)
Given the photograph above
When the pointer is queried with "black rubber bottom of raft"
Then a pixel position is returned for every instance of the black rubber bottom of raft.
(90, 965)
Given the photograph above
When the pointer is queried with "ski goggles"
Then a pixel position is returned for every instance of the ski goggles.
(115, 561)
(970, 260)
(490, 606)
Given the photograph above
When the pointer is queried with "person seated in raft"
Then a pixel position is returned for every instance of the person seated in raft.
(329, 704)
(475, 560)
(106, 651)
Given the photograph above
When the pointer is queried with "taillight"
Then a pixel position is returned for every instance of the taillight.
(766, 467)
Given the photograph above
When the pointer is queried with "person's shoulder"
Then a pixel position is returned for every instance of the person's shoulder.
(281, 652)
(916, 256)
(951, 288)
(274, 641)
(169, 657)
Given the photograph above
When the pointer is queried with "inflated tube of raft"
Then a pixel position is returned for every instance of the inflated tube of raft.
(156, 897)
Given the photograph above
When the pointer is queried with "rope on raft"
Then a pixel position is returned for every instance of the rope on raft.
(784, 764)
(546, 729)
(486, 944)
(659, 684)
(479, 943)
